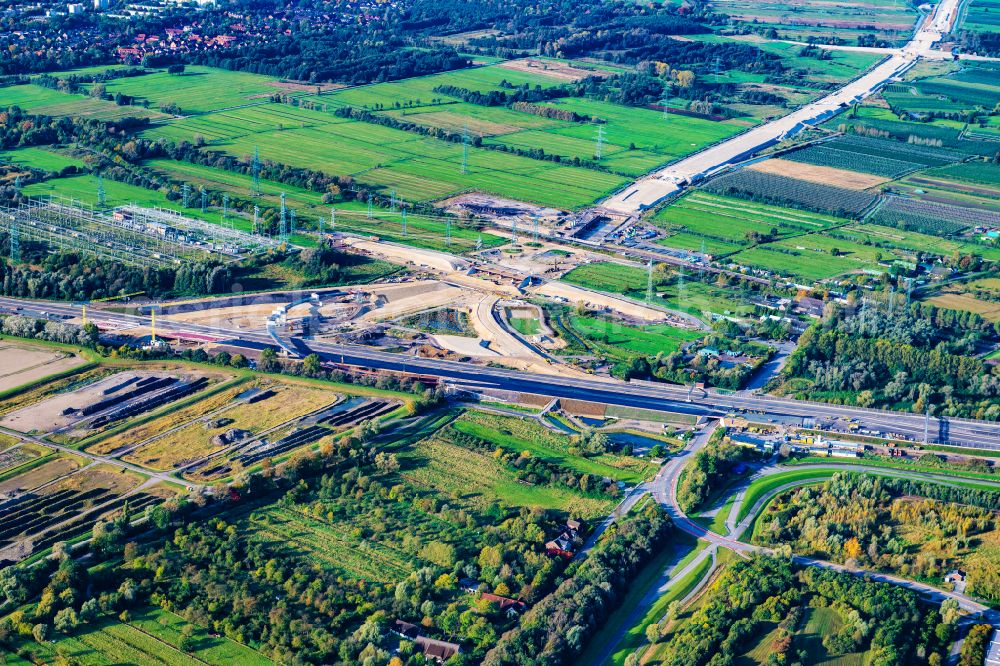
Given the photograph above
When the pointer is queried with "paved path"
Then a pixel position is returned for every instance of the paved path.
(664, 489)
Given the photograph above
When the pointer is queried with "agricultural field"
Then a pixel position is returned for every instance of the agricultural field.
(981, 16)
(723, 225)
(829, 198)
(839, 154)
(980, 296)
(422, 168)
(197, 90)
(928, 217)
(620, 340)
(151, 635)
(943, 139)
(891, 20)
(422, 230)
(47, 102)
(913, 242)
(811, 257)
(40, 158)
(657, 138)
(821, 174)
(418, 168)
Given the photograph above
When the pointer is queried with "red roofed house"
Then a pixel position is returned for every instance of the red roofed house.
(512, 607)
(439, 651)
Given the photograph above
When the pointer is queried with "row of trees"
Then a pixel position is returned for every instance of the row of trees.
(557, 628)
(707, 472)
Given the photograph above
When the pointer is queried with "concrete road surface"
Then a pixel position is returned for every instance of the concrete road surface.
(655, 187)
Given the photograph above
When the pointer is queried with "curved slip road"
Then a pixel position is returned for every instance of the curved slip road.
(663, 397)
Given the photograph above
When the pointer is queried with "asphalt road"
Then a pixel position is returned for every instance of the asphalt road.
(955, 432)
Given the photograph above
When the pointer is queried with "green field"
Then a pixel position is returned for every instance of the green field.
(40, 158)
(47, 102)
(721, 225)
(350, 216)
(437, 465)
(419, 168)
(197, 90)
(646, 341)
(525, 325)
(889, 19)
(811, 257)
(657, 139)
(690, 296)
(152, 637)
(981, 16)
(517, 435)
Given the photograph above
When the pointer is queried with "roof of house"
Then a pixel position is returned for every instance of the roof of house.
(406, 628)
(505, 602)
(440, 650)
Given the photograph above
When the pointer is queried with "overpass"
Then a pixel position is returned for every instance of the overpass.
(942, 430)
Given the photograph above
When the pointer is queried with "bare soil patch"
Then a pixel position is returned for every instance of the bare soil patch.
(851, 180)
(40, 475)
(557, 70)
(21, 364)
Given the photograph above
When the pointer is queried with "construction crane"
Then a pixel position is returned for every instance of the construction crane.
(84, 304)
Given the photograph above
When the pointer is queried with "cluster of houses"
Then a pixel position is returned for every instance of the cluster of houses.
(439, 650)
(185, 40)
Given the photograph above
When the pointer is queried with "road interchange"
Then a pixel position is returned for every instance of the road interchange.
(663, 397)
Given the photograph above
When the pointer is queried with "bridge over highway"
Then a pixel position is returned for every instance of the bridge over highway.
(951, 431)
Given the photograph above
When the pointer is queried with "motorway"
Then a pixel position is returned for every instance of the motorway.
(955, 432)
(655, 187)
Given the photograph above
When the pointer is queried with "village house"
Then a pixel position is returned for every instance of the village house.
(563, 545)
(511, 607)
(439, 651)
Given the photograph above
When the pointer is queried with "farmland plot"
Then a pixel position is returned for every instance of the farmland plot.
(750, 184)
(832, 156)
(197, 90)
(931, 218)
(47, 102)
